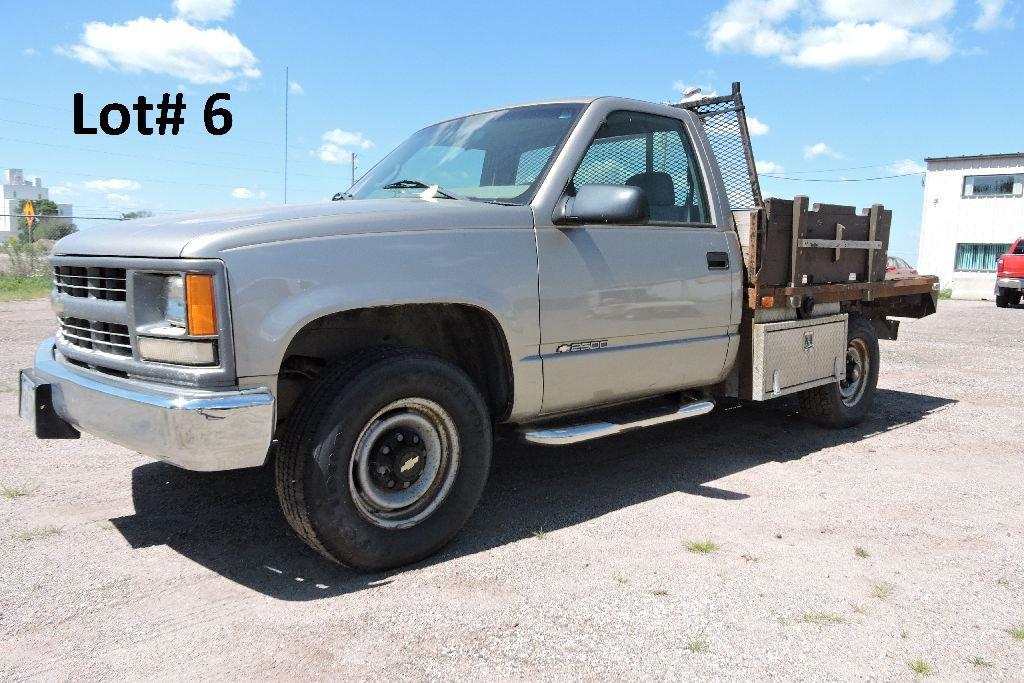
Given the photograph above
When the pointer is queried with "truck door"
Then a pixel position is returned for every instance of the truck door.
(635, 310)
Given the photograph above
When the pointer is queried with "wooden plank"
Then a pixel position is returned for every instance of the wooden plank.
(851, 291)
(841, 244)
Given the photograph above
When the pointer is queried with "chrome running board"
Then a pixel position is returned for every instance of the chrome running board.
(575, 433)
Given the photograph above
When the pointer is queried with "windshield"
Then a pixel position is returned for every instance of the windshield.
(497, 156)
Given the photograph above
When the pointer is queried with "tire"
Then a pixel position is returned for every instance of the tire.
(332, 473)
(845, 404)
(1002, 298)
(1015, 298)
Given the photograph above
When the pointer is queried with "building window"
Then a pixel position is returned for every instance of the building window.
(978, 258)
(1007, 185)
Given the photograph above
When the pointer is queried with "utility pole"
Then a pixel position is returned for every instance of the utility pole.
(286, 86)
(353, 169)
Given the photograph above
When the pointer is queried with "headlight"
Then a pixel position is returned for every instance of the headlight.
(174, 300)
(186, 308)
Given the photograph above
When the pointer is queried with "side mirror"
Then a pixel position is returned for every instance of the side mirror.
(615, 204)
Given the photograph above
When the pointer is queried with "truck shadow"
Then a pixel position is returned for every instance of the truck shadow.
(230, 522)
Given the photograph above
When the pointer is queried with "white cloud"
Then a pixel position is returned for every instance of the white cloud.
(768, 167)
(992, 15)
(831, 34)
(693, 92)
(295, 89)
(63, 192)
(111, 185)
(122, 200)
(755, 127)
(899, 13)
(172, 47)
(847, 44)
(30, 52)
(907, 166)
(246, 193)
(204, 10)
(339, 144)
(820, 149)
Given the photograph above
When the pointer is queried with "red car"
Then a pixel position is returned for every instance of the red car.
(897, 268)
(1010, 275)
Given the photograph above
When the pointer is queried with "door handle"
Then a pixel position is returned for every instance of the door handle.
(718, 260)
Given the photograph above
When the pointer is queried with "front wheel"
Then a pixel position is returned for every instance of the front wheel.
(384, 458)
(846, 403)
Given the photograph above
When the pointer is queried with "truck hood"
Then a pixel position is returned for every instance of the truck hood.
(208, 235)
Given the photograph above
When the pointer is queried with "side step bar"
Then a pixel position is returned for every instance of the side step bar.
(568, 434)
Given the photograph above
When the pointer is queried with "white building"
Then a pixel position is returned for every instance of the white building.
(13, 194)
(973, 211)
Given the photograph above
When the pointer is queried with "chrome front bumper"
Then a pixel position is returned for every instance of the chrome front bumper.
(197, 429)
(1009, 283)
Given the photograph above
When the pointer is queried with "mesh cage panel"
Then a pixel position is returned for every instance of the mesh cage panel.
(531, 163)
(725, 124)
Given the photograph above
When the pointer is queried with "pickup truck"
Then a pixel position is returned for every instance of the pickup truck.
(567, 270)
(1010, 275)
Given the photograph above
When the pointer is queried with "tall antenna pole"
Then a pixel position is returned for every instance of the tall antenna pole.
(286, 86)
(353, 168)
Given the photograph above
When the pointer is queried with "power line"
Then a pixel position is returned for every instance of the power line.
(845, 168)
(838, 180)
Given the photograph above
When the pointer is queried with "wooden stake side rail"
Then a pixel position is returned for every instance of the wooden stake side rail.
(778, 297)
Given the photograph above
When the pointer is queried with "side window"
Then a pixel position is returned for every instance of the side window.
(654, 154)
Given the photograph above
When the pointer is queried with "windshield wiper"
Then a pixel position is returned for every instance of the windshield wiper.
(413, 184)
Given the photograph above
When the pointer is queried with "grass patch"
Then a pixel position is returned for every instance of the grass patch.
(40, 532)
(861, 552)
(13, 288)
(1017, 632)
(751, 558)
(859, 609)
(882, 590)
(659, 592)
(981, 663)
(820, 618)
(619, 578)
(539, 534)
(921, 667)
(12, 491)
(697, 646)
(702, 547)
(945, 293)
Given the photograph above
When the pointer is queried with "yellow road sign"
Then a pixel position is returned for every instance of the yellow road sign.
(29, 212)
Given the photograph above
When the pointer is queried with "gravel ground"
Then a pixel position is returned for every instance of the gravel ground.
(114, 566)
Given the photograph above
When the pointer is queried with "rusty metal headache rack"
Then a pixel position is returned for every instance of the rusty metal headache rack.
(725, 123)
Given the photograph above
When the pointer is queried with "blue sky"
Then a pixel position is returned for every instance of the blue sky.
(841, 89)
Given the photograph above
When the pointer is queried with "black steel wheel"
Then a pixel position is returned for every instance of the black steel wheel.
(846, 403)
(384, 459)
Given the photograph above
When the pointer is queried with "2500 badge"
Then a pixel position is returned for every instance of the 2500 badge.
(582, 346)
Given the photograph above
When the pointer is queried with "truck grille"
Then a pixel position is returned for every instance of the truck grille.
(109, 338)
(94, 283)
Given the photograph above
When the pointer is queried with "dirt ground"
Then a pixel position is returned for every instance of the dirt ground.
(576, 564)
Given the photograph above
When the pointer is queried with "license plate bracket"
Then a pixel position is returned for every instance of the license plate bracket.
(35, 406)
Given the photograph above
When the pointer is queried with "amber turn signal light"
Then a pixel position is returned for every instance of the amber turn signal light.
(202, 308)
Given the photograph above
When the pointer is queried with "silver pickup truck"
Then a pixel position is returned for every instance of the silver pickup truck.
(569, 269)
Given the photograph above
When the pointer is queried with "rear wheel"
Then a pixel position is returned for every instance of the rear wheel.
(1015, 297)
(846, 403)
(384, 459)
(1002, 298)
